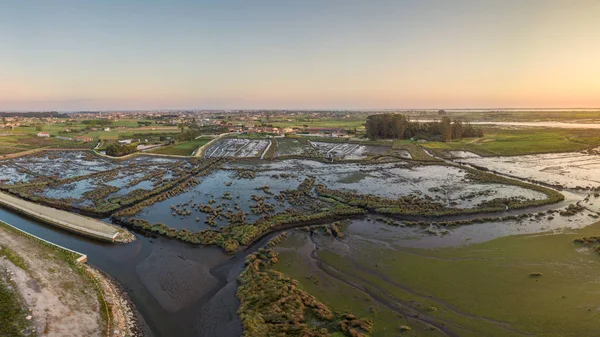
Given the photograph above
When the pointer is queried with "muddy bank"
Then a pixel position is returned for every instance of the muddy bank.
(123, 317)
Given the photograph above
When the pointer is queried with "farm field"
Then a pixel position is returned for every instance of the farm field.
(350, 151)
(294, 147)
(182, 149)
(351, 122)
(538, 115)
(11, 144)
(338, 149)
(237, 147)
(511, 141)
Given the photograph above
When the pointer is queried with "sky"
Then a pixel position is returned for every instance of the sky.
(71, 55)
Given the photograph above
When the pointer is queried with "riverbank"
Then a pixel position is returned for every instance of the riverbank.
(61, 297)
(68, 221)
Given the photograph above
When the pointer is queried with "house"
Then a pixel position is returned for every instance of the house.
(287, 130)
(125, 141)
(83, 139)
(43, 134)
(271, 130)
(106, 129)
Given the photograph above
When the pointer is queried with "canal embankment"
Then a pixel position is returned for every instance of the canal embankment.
(54, 282)
(71, 222)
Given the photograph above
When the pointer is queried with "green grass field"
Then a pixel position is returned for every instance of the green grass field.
(475, 290)
(516, 116)
(22, 139)
(122, 129)
(507, 142)
(357, 120)
(20, 143)
(353, 122)
(182, 149)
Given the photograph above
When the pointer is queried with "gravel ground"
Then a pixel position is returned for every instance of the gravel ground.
(63, 301)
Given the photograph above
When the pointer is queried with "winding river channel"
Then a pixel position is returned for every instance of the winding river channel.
(178, 289)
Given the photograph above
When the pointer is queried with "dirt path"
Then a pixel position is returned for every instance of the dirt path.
(63, 299)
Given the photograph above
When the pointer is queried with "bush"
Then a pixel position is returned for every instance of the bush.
(119, 150)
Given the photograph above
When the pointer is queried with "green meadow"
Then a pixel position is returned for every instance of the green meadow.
(523, 141)
(182, 149)
(486, 289)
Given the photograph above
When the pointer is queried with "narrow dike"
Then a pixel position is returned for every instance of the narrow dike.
(67, 221)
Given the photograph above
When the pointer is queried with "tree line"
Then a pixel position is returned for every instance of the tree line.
(91, 123)
(397, 126)
(119, 150)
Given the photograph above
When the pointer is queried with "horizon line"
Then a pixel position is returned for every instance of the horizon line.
(306, 109)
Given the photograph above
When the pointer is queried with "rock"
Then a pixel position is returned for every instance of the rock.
(404, 328)
(28, 317)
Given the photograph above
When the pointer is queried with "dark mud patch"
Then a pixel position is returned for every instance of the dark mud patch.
(175, 285)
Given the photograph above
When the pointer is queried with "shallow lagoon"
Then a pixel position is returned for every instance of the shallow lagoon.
(565, 169)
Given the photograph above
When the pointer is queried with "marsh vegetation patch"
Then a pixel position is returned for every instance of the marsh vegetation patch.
(570, 170)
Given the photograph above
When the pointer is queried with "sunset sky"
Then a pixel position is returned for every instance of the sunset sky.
(117, 54)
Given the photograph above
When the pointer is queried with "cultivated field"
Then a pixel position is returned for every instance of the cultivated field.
(348, 150)
(182, 149)
(238, 148)
(294, 147)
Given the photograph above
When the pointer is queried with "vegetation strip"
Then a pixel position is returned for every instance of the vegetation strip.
(272, 304)
(76, 256)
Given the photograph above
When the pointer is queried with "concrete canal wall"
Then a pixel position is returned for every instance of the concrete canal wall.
(65, 220)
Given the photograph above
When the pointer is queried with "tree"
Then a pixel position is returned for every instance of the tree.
(372, 127)
(397, 126)
(457, 130)
(446, 128)
(119, 150)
